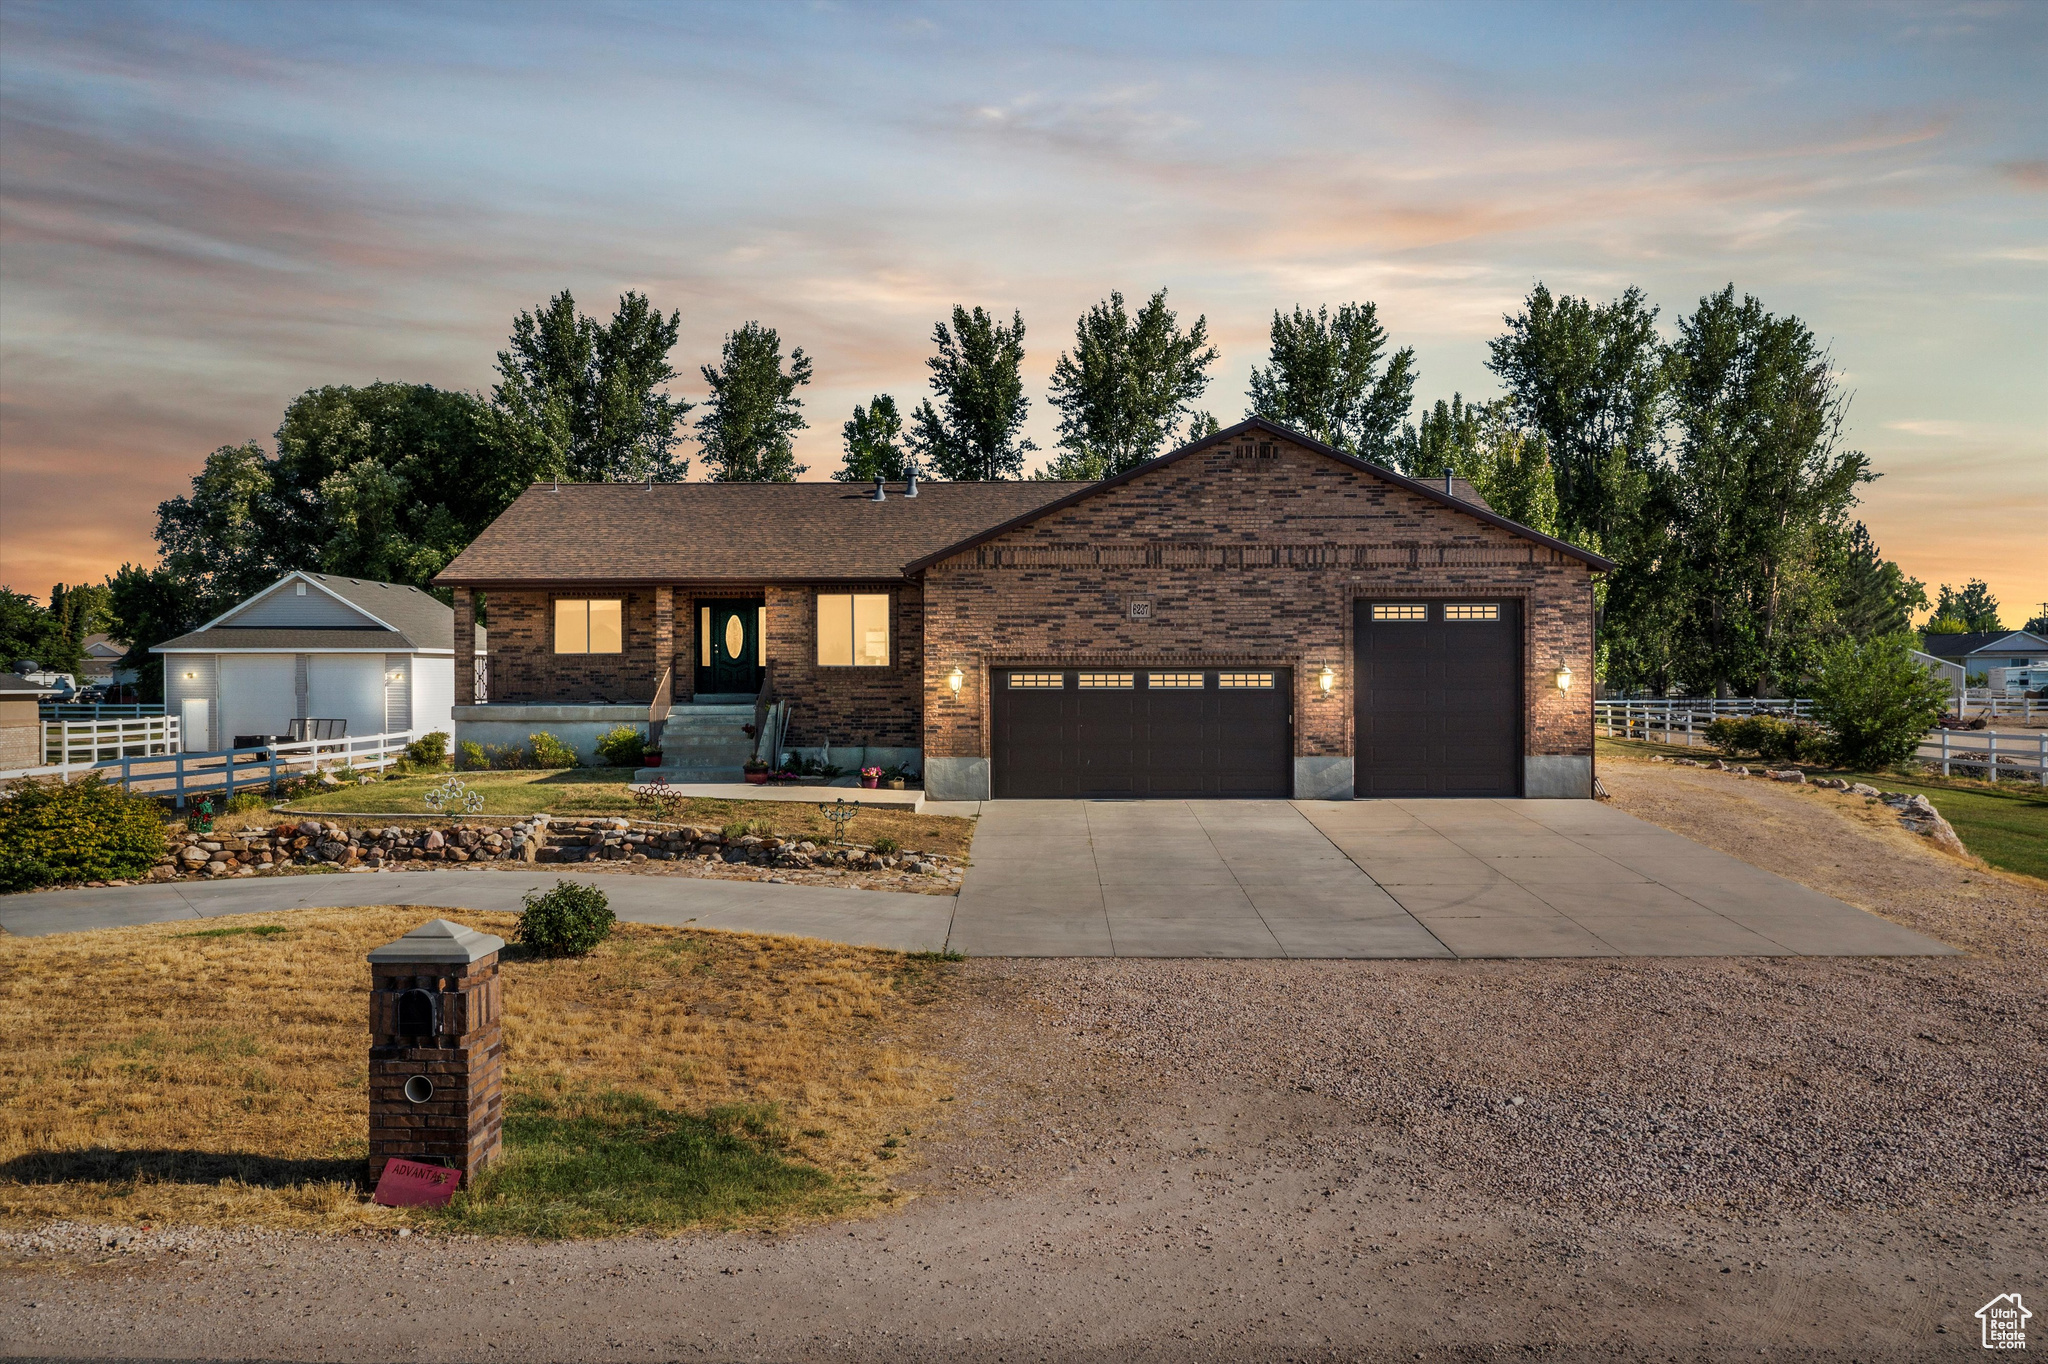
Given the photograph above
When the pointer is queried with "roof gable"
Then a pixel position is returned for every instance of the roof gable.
(1232, 438)
(1983, 641)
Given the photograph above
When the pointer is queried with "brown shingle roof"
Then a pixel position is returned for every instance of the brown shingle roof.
(746, 532)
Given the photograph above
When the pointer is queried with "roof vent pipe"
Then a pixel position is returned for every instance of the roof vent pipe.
(1447, 484)
(881, 492)
(910, 481)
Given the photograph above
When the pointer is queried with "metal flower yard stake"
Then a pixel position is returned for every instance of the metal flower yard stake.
(451, 797)
(839, 812)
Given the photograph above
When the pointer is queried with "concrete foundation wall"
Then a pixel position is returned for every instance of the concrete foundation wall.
(1557, 776)
(580, 727)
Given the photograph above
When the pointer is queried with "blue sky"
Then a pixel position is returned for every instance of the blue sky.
(206, 209)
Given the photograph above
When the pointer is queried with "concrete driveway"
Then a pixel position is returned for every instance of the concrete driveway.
(1379, 878)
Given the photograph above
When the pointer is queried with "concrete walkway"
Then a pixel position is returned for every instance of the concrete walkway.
(1430, 878)
(908, 923)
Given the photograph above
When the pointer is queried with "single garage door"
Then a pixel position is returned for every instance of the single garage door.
(1439, 698)
(1139, 733)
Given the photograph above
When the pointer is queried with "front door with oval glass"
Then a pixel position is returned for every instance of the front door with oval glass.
(730, 646)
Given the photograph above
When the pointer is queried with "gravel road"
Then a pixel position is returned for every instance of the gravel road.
(1699, 1159)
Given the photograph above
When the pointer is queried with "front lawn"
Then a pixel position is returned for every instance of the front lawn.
(608, 791)
(673, 1078)
(2005, 823)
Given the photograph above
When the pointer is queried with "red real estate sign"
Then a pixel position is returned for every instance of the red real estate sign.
(409, 1184)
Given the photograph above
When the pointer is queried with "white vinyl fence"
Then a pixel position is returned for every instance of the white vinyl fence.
(1983, 754)
(227, 771)
(85, 743)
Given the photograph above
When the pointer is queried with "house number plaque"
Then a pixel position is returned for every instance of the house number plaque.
(1141, 608)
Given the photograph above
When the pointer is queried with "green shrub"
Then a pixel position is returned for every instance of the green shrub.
(550, 752)
(1768, 737)
(88, 830)
(622, 747)
(429, 750)
(507, 757)
(885, 845)
(567, 921)
(1876, 700)
(740, 828)
(470, 757)
(242, 802)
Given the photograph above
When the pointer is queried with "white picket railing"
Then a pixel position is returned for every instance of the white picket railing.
(1987, 754)
(1993, 706)
(227, 771)
(84, 743)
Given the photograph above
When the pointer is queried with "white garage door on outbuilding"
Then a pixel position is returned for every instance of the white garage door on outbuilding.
(257, 696)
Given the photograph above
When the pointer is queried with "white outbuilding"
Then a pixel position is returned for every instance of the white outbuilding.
(366, 657)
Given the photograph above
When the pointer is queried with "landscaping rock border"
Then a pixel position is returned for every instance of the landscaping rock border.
(603, 843)
(1916, 813)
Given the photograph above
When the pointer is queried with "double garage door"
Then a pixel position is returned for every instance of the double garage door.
(1061, 734)
(1437, 685)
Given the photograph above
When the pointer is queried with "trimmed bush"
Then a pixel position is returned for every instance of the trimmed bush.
(429, 750)
(567, 921)
(550, 752)
(470, 757)
(242, 802)
(1876, 700)
(88, 830)
(622, 747)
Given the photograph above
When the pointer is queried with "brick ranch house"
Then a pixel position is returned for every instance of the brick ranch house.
(1253, 614)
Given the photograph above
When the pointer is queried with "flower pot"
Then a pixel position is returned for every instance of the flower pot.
(651, 758)
(870, 782)
(895, 783)
(757, 778)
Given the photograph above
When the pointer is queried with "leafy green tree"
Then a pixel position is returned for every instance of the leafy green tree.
(874, 443)
(978, 377)
(1876, 699)
(1875, 597)
(1203, 425)
(1510, 468)
(1763, 491)
(1323, 378)
(1447, 441)
(83, 610)
(1127, 386)
(2039, 623)
(585, 400)
(1974, 606)
(753, 414)
(220, 539)
(1591, 378)
(29, 630)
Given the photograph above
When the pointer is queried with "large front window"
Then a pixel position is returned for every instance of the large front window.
(853, 630)
(589, 627)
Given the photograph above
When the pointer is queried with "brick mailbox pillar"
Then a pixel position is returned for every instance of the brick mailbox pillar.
(437, 1050)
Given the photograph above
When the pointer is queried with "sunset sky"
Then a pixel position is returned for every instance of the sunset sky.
(207, 209)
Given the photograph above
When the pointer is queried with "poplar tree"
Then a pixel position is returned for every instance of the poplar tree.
(1125, 389)
(751, 419)
(978, 378)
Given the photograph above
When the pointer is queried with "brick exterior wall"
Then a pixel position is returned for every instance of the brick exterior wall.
(1246, 562)
(463, 1123)
(848, 706)
(525, 669)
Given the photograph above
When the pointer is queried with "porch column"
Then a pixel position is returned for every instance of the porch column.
(465, 647)
(664, 632)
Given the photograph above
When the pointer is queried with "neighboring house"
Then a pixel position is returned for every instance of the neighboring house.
(1951, 673)
(315, 646)
(1991, 653)
(21, 727)
(1253, 614)
(102, 655)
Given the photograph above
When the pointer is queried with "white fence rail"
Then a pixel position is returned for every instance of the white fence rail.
(1995, 707)
(68, 710)
(84, 743)
(1968, 753)
(224, 772)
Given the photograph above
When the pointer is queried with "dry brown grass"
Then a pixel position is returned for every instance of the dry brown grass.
(154, 1075)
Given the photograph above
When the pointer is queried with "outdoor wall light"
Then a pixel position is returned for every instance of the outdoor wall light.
(1328, 677)
(1564, 678)
(954, 679)
(190, 676)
